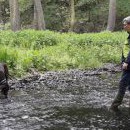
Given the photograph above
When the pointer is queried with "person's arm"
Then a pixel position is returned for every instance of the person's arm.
(128, 58)
(126, 62)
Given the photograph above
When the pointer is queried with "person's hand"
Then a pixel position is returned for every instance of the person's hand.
(124, 66)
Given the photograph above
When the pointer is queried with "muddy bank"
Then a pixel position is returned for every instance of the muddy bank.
(63, 78)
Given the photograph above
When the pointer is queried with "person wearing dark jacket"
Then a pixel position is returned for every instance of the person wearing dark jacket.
(125, 78)
(4, 75)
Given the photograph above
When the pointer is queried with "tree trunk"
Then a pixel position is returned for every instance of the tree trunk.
(1, 18)
(72, 16)
(14, 15)
(0, 12)
(35, 21)
(112, 15)
(39, 21)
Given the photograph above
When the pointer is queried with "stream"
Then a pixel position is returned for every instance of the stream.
(64, 101)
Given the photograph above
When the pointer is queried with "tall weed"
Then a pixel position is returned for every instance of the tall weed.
(46, 50)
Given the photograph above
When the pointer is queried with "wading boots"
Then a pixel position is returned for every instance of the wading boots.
(117, 102)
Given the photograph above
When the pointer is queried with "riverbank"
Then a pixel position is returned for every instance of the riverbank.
(61, 78)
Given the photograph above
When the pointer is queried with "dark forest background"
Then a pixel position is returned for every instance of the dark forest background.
(90, 15)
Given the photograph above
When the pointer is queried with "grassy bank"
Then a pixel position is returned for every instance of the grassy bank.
(46, 50)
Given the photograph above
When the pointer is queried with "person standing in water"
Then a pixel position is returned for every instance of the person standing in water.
(125, 78)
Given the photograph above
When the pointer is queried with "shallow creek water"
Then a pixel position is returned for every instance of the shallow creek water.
(75, 103)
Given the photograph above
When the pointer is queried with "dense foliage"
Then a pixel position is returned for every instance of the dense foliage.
(47, 50)
(91, 15)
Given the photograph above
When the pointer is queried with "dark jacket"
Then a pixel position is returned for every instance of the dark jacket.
(126, 59)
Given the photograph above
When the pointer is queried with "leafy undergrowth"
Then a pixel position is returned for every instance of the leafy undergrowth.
(46, 50)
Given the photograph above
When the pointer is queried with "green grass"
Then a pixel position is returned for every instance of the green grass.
(46, 50)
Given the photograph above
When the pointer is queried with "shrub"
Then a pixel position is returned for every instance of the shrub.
(29, 39)
(46, 50)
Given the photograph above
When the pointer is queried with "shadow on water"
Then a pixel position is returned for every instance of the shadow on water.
(93, 118)
(69, 107)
